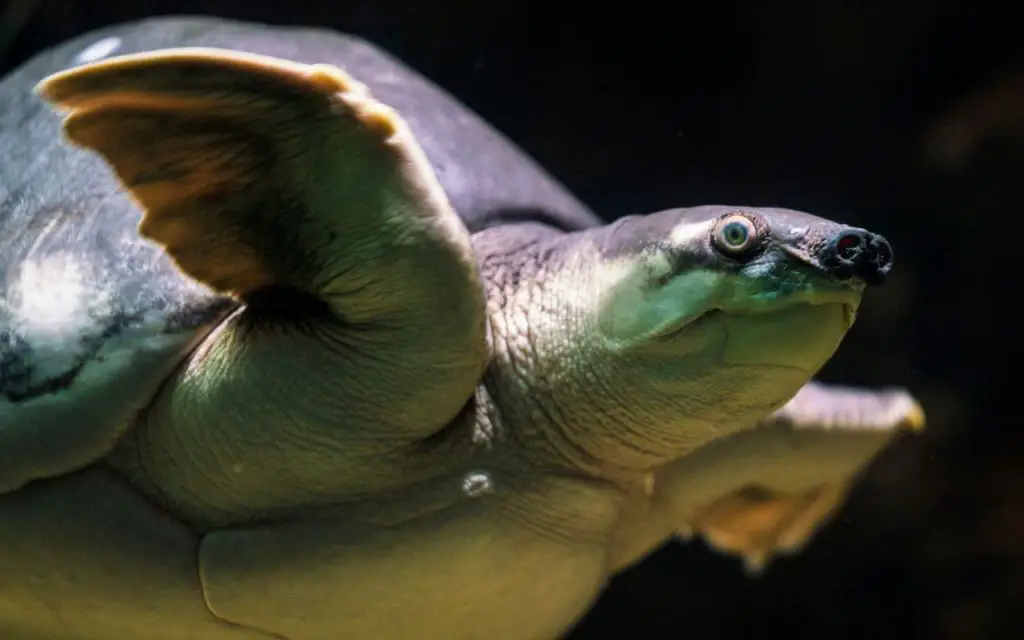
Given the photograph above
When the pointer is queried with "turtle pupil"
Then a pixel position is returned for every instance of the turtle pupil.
(735, 233)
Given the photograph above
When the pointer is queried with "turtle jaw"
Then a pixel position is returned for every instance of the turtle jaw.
(847, 296)
(802, 337)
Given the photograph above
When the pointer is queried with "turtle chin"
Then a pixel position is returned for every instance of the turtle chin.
(802, 336)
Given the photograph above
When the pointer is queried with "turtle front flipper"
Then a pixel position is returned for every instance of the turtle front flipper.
(819, 405)
(290, 187)
(767, 490)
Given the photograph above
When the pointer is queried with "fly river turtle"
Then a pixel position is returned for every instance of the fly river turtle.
(286, 355)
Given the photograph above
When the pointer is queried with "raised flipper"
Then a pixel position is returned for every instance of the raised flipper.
(767, 490)
(290, 187)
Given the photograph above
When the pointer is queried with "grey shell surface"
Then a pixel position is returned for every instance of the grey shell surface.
(78, 284)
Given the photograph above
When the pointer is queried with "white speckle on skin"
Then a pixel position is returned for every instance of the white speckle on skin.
(477, 484)
(99, 50)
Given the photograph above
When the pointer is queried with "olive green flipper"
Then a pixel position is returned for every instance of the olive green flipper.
(292, 188)
(258, 174)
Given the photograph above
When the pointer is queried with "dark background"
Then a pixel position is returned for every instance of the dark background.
(903, 116)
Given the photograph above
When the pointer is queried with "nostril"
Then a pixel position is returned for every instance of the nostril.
(850, 245)
(881, 250)
(856, 253)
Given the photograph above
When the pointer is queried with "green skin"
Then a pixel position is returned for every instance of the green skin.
(467, 436)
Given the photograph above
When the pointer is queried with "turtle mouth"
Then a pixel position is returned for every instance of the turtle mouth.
(716, 314)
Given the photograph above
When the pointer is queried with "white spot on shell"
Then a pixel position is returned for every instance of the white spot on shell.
(477, 484)
(53, 304)
(99, 49)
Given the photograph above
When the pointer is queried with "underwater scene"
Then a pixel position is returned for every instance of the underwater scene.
(510, 321)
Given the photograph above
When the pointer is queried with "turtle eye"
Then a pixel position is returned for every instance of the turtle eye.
(736, 235)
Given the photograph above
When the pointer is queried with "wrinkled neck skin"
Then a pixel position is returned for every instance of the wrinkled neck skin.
(568, 397)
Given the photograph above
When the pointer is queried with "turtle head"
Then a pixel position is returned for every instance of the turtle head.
(673, 273)
(715, 316)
